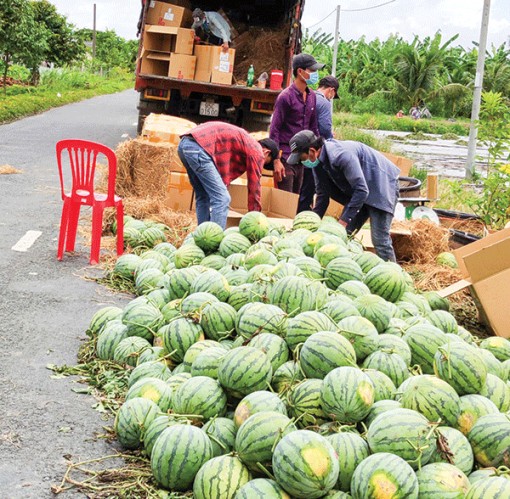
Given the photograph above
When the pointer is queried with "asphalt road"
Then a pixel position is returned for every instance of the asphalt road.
(46, 305)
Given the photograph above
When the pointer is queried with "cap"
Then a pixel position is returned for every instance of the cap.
(330, 82)
(272, 146)
(306, 61)
(299, 144)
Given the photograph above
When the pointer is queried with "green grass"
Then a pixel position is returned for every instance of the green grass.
(57, 88)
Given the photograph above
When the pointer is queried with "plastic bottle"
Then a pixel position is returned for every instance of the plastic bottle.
(251, 76)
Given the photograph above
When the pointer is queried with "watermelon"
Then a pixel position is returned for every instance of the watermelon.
(178, 336)
(166, 249)
(351, 450)
(149, 370)
(419, 300)
(424, 340)
(489, 488)
(386, 280)
(132, 237)
(220, 477)
(375, 309)
(305, 464)
(286, 376)
(347, 394)
(340, 270)
(361, 333)
(143, 320)
(222, 432)
(257, 436)
(177, 379)
(261, 488)
(391, 343)
(133, 418)
(492, 364)
(240, 296)
(384, 475)
(256, 318)
(447, 259)
(490, 440)
(211, 281)
(403, 432)
(330, 225)
(111, 335)
(178, 454)
(260, 256)
(129, 349)
(273, 346)
(304, 403)
(444, 321)
(353, 289)
(338, 308)
(254, 225)
(153, 389)
(234, 243)
(148, 279)
(327, 252)
(218, 320)
(188, 255)
(179, 281)
(156, 428)
(433, 397)
(200, 396)
(260, 401)
(244, 370)
(195, 350)
(454, 448)
(436, 302)
(481, 473)
(293, 295)
(498, 346)
(442, 480)
(367, 260)
(379, 407)
(101, 318)
(208, 236)
(384, 388)
(207, 362)
(306, 220)
(473, 407)
(125, 266)
(324, 351)
(496, 390)
(310, 267)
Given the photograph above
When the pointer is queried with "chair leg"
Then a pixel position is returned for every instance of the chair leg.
(64, 221)
(120, 229)
(72, 225)
(97, 229)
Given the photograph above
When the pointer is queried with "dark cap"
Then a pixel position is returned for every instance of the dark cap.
(299, 144)
(330, 82)
(271, 146)
(306, 61)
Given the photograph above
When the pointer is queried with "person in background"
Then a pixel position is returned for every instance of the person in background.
(400, 114)
(212, 28)
(327, 91)
(294, 111)
(214, 154)
(358, 177)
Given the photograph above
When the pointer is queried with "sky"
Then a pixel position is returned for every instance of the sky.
(404, 17)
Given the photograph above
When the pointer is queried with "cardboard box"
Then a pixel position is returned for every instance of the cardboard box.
(203, 70)
(165, 129)
(279, 206)
(265, 181)
(182, 66)
(222, 66)
(403, 164)
(155, 63)
(169, 39)
(167, 14)
(179, 193)
(485, 266)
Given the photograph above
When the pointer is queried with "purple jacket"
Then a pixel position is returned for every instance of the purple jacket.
(291, 115)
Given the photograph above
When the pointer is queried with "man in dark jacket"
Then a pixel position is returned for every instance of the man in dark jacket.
(358, 177)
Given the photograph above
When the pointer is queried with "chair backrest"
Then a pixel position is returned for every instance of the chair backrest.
(82, 160)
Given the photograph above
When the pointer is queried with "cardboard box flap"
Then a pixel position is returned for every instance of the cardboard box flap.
(158, 56)
(454, 288)
(165, 30)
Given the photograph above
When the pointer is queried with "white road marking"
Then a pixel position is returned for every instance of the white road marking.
(27, 241)
(124, 136)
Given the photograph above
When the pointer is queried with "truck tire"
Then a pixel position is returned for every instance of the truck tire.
(146, 107)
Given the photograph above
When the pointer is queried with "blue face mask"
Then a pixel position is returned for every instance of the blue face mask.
(310, 164)
(313, 78)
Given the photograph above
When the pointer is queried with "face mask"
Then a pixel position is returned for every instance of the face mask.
(313, 78)
(310, 164)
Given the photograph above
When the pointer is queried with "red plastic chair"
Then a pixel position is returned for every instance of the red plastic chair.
(82, 161)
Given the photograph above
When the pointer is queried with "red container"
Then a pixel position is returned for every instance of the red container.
(276, 79)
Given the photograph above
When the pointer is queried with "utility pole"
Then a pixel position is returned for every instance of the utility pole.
(94, 34)
(477, 94)
(335, 52)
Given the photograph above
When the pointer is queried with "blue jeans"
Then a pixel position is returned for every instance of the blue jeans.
(212, 198)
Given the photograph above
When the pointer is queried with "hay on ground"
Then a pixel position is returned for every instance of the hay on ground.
(8, 170)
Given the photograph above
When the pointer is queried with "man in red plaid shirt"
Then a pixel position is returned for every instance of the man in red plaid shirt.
(214, 154)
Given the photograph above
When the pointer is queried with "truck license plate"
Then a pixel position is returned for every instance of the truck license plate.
(209, 109)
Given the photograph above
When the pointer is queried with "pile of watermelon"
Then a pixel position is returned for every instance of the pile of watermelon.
(278, 363)
(142, 234)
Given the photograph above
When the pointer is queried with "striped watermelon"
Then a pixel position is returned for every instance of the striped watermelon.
(403, 432)
(442, 480)
(254, 225)
(489, 488)
(351, 450)
(260, 256)
(177, 379)
(286, 376)
(367, 260)
(284, 269)
(444, 321)
(125, 266)
(391, 343)
(156, 428)
(353, 289)
(234, 243)
(406, 310)
(293, 295)
(149, 279)
(261, 488)
(330, 225)
(306, 220)
(384, 388)
(235, 259)
(179, 281)
(424, 340)
(195, 350)
(149, 370)
(152, 354)
(437, 302)
(260, 401)
(158, 297)
(361, 333)
(153, 389)
(218, 320)
(220, 478)
(305, 464)
(111, 335)
(178, 454)
(129, 349)
(454, 448)
(340, 270)
(465, 335)
(324, 351)
(143, 320)
(310, 267)
(375, 309)
(208, 236)
(418, 300)
(433, 397)
(338, 308)
(211, 281)
(234, 276)
(258, 435)
(379, 407)
(133, 418)
(178, 336)
(152, 236)
(459, 364)
(496, 390)
(481, 473)
(347, 394)
(337, 494)
(101, 318)
(311, 242)
(386, 280)
(327, 252)
(240, 296)
(384, 475)
(222, 432)
(244, 370)
(473, 407)
(256, 318)
(194, 303)
(492, 364)
(506, 370)
(490, 440)
(304, 403)
(166, 249)
(273, 346)
(201, 396)
(207, 362)
(498, 346)
(188, 255)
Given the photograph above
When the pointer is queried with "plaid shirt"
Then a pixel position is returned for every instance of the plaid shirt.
(233, 151)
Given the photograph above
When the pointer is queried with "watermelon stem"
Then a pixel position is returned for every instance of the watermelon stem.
(265, 470)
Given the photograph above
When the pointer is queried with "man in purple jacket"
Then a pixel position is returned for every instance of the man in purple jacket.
(294, 111)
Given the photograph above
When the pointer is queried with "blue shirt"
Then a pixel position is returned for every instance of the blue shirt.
(362, 175)
(324, 116)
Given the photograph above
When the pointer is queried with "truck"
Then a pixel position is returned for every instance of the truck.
(266, 34)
